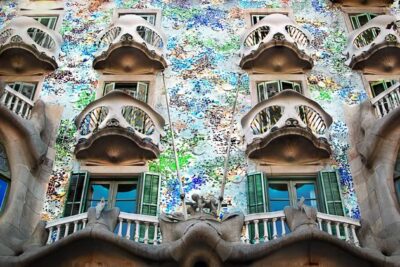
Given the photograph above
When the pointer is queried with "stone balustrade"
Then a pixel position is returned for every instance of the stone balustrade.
(135, 227)
(17, 102)
(286, 109)
(373, 47)
(145, 229)
(387, 101)
(255, 225)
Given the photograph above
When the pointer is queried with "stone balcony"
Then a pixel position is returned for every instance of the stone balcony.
(131, 45)
(363, 3)
(275, 44)
(375, 47)
(28, 48)
(118, 129)
(287, 128)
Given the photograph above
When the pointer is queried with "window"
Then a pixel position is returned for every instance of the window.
(25, 88)
(20, 98)
(39, 36)
(268, 194)
(138, 90)
(48, 21)
(138, 194)
(275, 193)
(5, 176)
(255, 18)
(151, 18)
(358, 20)
(268, 89)
(121, 194)
(379, 87)
(288, 192)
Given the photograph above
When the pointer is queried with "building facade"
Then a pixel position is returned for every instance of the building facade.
(200, 133)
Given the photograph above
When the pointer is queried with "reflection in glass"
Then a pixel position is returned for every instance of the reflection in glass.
(278, 196)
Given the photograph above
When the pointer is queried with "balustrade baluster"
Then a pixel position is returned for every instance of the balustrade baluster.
(10, 100)
(84, 223)
(155, 234)
(121, 221)
(337, 229)
(283, 226)
(274, 232)
(266, 237)
(146, 233)
(128, 230)
(256, 234)
(346, 232)
(353, 233)
(49, 239)
(328, 225)
(66, 229)
(16, 103)
(58, 232)
(319, 223)
(136, 231)
(3, 98)
(247, 240)
(75, 226)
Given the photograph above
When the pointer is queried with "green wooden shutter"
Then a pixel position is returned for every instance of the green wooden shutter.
(329, 190)
(150, 194)
(76, 195)
(150, 188)
(142, 89)
(255, 193)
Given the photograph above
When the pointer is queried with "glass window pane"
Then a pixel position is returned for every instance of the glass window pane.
(126, 205)
(96, 193)
(276, 205)
(306, 190)
(272, 89)
(126, 191)
(28, 90)
(278, 191)
(3, 192)
(377, 88)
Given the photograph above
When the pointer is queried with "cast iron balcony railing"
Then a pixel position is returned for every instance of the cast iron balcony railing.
(28, 47)
(16, 102)
(115, 117)
(262, 40)
(144, 229)
(387, 101)
(289, 114)
(131, 45)
(374, 48)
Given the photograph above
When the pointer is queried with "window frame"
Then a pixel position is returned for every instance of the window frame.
(280, 87)
(257, 78)
(113, 182)
(291, 181)
(370, 78)
(128, 82)
(38, 80)
(134, 11)
(348, 11)
(151, 80)
(40, 12)
(249, 13)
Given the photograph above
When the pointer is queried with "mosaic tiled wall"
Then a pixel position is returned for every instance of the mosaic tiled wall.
(203, 45)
